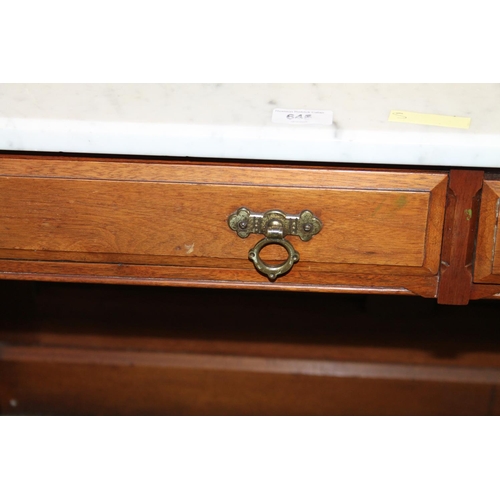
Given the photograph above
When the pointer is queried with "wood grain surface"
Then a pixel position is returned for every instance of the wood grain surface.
(487, 263)
(459, 236)
(174, 215)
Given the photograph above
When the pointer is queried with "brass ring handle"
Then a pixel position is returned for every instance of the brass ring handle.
(272, 272)
(275, 225)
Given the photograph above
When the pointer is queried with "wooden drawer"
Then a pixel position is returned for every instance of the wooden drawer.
(487, 260)
(166, 222)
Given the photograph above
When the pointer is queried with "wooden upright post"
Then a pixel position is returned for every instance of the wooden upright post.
(460, 228)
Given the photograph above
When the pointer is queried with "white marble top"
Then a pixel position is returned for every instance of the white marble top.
(235, 121)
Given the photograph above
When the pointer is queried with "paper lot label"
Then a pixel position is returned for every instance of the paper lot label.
(303, 116)
(397, 115)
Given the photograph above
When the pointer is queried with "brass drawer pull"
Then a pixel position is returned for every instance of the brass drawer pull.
(275, 225)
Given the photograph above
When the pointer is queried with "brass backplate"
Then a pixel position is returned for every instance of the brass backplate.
(274, 224)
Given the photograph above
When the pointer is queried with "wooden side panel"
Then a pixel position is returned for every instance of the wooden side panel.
(487, 262)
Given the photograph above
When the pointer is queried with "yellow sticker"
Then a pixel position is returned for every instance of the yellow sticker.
(429, 119)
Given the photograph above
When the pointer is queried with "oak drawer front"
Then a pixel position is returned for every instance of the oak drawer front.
(175, 214)
(487, 257)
